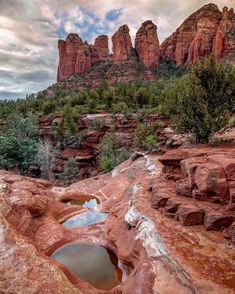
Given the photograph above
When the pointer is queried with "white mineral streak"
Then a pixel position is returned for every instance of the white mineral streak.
(147, 232)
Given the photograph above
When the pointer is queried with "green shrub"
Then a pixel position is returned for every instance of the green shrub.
(19, 145)
(110, 152)
(145, 137)
(97, 124)
(70, 171)
(199, 101)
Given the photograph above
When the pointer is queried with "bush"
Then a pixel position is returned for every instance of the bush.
(19, 145)
(97, 124)
(111, 153)
(70, 171)
(145, 137)
(150, 142)
(199, 101)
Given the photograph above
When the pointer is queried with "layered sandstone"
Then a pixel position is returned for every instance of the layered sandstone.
(147, 44)
(206, 31)
(122, 46)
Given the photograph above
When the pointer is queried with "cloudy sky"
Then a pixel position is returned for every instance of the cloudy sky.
(29, 31)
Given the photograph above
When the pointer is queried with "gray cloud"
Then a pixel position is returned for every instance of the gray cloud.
(29, 30)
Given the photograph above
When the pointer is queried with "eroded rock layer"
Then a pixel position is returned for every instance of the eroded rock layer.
(206, 31)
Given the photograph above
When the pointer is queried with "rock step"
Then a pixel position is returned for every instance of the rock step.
(189, 211)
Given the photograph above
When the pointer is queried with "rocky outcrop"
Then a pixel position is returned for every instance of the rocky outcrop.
(122, 46)
(205, 31)
(147, 44)
(76, 56)
(68, 55)
(102, 47)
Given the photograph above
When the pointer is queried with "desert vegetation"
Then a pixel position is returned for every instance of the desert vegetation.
(199, 103)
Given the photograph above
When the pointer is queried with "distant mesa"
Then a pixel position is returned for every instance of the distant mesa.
(206, 31)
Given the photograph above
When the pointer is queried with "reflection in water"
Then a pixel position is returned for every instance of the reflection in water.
(85, 201)
(94, 264)
(85, 218)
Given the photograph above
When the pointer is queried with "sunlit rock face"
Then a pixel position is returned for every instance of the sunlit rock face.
(206, 31)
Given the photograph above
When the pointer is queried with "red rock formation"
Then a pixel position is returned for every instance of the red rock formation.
(147, 44)
(68, 55)
(205, 31)
(122, 47)
(102, 47)
(83, 58)
(77, 56)
(225, 36)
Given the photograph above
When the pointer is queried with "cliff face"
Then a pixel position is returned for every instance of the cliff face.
(122, 46)
(206, 31)
(147, 44)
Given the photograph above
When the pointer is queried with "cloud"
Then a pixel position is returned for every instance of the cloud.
(30, 29)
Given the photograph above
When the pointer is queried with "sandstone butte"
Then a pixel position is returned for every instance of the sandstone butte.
(169, 223)
(206, 31)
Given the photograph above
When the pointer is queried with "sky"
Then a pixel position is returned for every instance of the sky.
(30, 29)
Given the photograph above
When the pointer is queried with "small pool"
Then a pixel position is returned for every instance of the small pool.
(85, 219)
(94, 264)
(85, 201)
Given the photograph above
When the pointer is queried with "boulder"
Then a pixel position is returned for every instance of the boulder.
(211, 180)
(159, 199)
(217, 221)
(190, 215)
(183, 188)
(171, 207)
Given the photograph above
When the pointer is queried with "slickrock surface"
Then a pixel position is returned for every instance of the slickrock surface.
(171, 228)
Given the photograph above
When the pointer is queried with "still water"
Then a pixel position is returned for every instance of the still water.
(94, 264)
(85, 218)
(85, 201)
